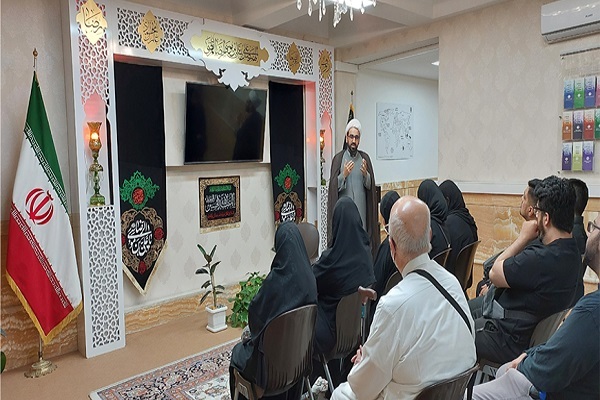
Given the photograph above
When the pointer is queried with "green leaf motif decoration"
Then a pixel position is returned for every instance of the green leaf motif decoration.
(137, 190)
(287, 178)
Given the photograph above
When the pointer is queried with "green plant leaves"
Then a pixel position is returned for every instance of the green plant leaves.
(248, 289)
(214, 266)
(201, 271)
(205, 296)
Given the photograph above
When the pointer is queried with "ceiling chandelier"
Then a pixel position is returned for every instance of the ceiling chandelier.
(340, 7)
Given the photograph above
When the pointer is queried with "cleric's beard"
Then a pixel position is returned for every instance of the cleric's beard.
(352, 151)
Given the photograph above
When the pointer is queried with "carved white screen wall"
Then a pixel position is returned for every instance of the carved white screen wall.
(91, 68)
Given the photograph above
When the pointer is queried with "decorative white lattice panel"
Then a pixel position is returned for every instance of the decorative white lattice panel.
(325, 90)
(104, 271)
(281, 63)
(323, 218)
(128, 36)
(93, 63)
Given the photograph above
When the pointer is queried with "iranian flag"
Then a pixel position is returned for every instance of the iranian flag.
(40, 266)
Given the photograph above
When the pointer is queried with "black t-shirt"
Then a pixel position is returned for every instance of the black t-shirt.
(543, 280)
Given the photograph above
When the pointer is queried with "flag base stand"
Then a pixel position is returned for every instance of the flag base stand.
(40, 368)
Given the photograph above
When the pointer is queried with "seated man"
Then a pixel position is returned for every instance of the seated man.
(565, 367)
(581, 199)
(417, 337)
(538, 281)
(526, 210)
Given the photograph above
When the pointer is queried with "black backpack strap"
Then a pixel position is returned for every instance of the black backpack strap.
(443, 291)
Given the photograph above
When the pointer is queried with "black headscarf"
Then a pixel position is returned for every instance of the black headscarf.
(431, 195)
(384, 266)
(342, 268)
(289, 285)
(347, 264)
(456, 204)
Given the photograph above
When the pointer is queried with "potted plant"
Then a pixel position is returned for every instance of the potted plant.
(216, 312)
(248, 289)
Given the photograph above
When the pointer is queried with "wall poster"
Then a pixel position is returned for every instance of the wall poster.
(580, 116)
(394, 131)
(219, 203)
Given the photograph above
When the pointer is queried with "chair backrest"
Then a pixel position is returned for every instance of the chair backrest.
(448, 389)
(442, 256)
(392, 281)
(464, 263)
(288, 348)
(310, 236)
(546, 327)
(347, 326)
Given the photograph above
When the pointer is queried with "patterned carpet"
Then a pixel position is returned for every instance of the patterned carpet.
(200, 377)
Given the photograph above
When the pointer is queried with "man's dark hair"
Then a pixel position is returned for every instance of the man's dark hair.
(556, 197)
(581, 195)
(532, 185)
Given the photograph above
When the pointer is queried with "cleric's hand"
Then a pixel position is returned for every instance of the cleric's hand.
(348, 167)
(363, 167)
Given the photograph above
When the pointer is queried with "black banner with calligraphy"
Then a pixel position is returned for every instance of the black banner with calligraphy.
(286, 105)
(219, 203)
(142, 174)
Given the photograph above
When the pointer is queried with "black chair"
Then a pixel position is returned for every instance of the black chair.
(349, 327)
(392, 281)
(450, 389)
(542, 332)
(310, 236)
(464, 263)
(442, 256)
(288, 349)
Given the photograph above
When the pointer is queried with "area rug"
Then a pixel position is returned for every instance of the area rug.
(199, 377)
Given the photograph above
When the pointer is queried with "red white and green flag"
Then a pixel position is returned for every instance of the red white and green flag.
(41, 266)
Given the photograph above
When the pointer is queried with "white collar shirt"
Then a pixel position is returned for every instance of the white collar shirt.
(417, 338)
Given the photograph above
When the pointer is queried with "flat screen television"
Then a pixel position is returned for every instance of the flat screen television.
(222, 125)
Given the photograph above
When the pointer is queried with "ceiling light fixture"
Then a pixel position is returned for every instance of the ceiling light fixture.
(340, 7)
(436, 63)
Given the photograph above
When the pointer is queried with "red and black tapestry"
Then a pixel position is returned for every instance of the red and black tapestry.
(286, 121)
(142, 176)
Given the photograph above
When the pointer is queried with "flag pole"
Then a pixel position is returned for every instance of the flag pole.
(41, 367)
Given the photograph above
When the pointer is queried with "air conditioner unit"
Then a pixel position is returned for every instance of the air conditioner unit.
(567, 19)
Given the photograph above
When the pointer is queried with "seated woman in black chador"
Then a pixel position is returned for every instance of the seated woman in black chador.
(384, 266)
(289, 285)
(431, 195)
(342, 268)
(460, 223)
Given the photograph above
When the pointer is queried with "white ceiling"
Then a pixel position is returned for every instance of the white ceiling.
(282, 17)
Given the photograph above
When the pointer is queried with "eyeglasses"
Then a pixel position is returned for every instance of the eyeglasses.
(591, 226)
(354, 137)
(386, 227)
(536, 209)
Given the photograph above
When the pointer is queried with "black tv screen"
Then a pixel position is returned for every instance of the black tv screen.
(222, 125)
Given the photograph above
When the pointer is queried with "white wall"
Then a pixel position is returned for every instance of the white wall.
(374, 87)
(44, 32)
(240, 250)
(500, 94)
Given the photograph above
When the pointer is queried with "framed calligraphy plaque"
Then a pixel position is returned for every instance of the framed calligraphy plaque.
(219, 203)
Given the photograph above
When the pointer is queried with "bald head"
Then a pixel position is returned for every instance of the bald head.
(410, 227)
(592, 247)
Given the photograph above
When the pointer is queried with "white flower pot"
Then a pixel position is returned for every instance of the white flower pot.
(216, 319)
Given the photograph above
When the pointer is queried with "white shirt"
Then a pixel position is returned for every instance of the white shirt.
(417, 338)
